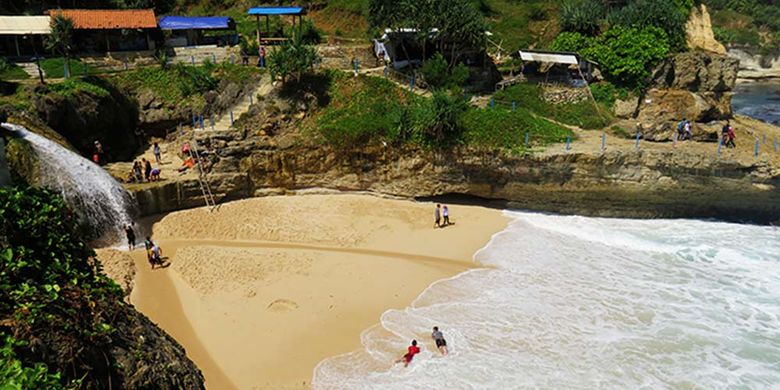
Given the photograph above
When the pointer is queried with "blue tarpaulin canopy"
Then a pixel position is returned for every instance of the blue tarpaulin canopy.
(276, 11)
(196, 23)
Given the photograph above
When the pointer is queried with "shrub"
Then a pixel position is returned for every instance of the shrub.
(538, 12)
(310, 35)
(529, 97)
(293, 58)
(73, 86)
(606, 93)
(626, 55)
(573, 42)
(436, 120)
(437, 73)
(665, 15)
(582, 16)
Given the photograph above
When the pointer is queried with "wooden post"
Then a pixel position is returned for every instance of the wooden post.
(267, 26)
(16, 41)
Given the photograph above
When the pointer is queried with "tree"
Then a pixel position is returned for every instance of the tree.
(60, 39)
(293, 58)
(582, 16)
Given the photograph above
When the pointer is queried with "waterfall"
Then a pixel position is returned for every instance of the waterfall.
(91, 191)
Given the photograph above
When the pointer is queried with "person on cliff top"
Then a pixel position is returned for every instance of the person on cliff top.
(147, 168)
(130, 237)
(445, 212)
(261, 57)
(411, 351)
(157, 153)
(438, 338)
(437, 216)
(730, 137)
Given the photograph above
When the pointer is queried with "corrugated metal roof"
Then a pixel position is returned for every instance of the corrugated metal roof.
(22, 25)
(195, 22)
(558, 58)
(276, 11)
(109, 19)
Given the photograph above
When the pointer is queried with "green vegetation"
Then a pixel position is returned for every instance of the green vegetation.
(365, 109)
(74, 85)
(52, 294)
(529, 97)
(582, 16)
(293, 58)
(754, 23)
(59, 40)
(55, 67)
(438, 75)
(10, 71)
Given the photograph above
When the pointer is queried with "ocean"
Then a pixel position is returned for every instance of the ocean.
(760, 100)
(569, 302)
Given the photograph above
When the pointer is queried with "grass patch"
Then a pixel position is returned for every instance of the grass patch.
(173, 84)
(74, 85)
(11, 71)
(529, 96)
(55, 67)
(497, 128)
(14, 95)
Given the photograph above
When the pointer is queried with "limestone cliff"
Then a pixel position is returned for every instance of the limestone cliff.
(699, 34)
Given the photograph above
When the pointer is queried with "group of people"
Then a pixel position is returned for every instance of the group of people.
(438, 338)
(153, 251)
(441, 216)
(261, 54)
(684, 131)
(143, 170)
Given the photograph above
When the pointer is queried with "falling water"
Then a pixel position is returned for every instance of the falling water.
(86, 187)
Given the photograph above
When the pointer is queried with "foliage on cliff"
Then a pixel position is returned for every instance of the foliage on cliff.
(63, 319)
(529, 97)
(754, 23)
(364, 109)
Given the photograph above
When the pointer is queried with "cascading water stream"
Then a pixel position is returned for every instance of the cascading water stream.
(85, 186)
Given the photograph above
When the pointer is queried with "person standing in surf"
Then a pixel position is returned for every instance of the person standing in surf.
(130, 237)
(412, 350)
(438, 338)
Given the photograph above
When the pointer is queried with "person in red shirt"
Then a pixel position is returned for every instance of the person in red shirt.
(413, 350)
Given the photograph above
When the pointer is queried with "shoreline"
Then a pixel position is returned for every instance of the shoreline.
(269, 327)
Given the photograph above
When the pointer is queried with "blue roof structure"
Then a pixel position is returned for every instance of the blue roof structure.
(276, 11)
(195, 23)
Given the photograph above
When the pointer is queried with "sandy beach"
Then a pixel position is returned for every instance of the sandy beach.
(261, 290)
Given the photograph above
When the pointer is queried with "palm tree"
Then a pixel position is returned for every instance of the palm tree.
(59, 40)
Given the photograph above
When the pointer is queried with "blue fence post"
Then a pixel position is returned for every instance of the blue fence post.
(603, 142)
(194, 120)
(492, 103)
(232, 59)
(720, 145)
(213, 58)
(526, 140)
(514, 106)
(231, 117)
(638, 136)
(755, 150)
(202, 123)
(776, 145)
(674, 141)
(568, 143)
(411, 83)
(213, 123)
(251, 102)
(192, 60)
(127, 66)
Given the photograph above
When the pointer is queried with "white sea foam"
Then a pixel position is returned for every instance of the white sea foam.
(583, 303)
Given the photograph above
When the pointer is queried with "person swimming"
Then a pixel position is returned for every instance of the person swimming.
(438, 337)
(412, 350)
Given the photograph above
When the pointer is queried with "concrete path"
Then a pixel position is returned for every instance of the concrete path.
(224, 122)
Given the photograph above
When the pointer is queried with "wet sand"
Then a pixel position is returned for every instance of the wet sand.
(262, 290)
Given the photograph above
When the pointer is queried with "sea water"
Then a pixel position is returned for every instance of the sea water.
(568, 302)
(760, 100)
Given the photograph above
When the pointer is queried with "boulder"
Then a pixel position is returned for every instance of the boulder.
(625, 109)
(697, 72)
(699, 34)
(661, 110)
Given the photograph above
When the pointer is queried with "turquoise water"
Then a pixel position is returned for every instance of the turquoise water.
(569, 302)
(759, 100)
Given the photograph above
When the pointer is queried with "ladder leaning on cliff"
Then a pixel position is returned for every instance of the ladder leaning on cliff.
(203, 180)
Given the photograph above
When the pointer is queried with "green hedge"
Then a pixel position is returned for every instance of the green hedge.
(529, 96)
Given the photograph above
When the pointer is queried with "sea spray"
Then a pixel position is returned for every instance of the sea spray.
(87, 188)
(582, 303)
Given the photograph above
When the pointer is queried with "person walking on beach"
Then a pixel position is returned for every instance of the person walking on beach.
(445, 212)
(438, 338)
(412, 350)
(130, 237)
(437, 216)
(147, 168)
(730, 138)
(157, 153)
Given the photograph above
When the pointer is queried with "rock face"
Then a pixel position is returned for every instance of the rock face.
(625, 184)
(699, 34)
(83, 117)
(695, 86)
(754, 66)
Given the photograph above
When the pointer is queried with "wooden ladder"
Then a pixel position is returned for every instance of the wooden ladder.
(203, 179)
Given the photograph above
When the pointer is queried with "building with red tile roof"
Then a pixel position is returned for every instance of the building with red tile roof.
(109, 19)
